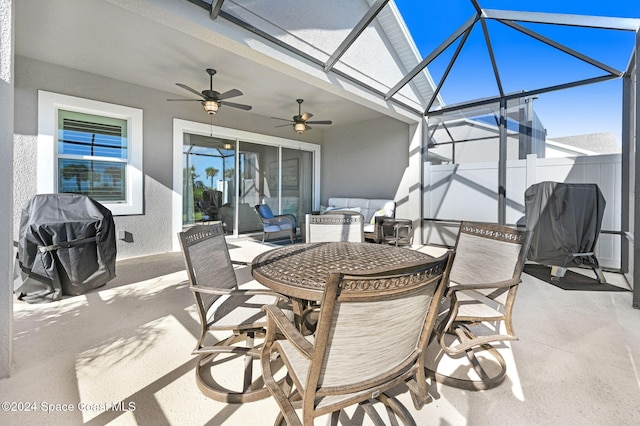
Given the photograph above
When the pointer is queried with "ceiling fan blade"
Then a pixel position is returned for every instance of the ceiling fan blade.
(306, 116)
(230, 94)
(283, 125)
(173, 100)
(283, 119)
(319, 122)
(307, 127)
(184, 86)
(234, 105)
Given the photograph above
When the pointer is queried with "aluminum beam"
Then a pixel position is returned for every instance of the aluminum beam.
(355, 33)
(625, 24)
(433, 55)
(523, 94)
(449, 66)
(487, 39)
(502, 165)
(636, 175)
(216, 5)
(563, 48)
(627, 139)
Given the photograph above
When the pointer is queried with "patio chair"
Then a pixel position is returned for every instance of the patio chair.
(333, 227)
(272, 224)
(370, 337)
(210, 205)
(225, 309)
(482, 287)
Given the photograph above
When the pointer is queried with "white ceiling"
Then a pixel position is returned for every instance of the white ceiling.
(106, 39)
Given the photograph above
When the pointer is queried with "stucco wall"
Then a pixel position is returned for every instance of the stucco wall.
(364, 160)
(376, 159)
(369, 159)
(152, 230)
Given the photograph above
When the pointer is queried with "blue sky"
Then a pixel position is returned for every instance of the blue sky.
(525, 63)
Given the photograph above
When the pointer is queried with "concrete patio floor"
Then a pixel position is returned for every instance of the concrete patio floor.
(576, 362)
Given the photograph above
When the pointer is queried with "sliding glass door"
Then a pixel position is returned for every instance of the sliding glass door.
(223, 178)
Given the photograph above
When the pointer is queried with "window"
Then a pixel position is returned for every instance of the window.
(97, 151)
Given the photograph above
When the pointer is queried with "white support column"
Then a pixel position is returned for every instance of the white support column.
(410, 196)
(6, 183)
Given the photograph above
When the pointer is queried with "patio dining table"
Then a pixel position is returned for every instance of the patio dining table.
(299, 271)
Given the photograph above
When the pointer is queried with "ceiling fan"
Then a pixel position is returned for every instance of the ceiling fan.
(212, 100)
(300, 123)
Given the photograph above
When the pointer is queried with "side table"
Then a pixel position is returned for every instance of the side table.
(397, 231)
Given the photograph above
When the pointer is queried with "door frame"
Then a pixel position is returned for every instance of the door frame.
(180, 127)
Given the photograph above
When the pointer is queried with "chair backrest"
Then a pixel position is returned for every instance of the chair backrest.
(372, 327)
(334, 227)
(264, 211)
(207, 261)
(213, 196)
(487, 253)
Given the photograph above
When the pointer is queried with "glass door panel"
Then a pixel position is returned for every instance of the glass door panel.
(297, 182)
(258, 184)
(208, 176)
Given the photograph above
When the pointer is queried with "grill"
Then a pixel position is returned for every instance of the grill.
(66, 247)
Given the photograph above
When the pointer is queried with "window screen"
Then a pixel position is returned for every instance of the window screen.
(92, 155)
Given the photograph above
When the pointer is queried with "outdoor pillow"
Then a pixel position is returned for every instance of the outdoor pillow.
(265, 211)
(380, 212)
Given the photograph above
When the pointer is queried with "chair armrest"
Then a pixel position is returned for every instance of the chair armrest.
(378, 234)
(275, 317)
(291, 219)
(480, 286)
(218, 291)
(238, 292)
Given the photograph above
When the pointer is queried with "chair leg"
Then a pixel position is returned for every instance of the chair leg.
(207, 383)
(486, 380)
(394, 408)
(248, 363)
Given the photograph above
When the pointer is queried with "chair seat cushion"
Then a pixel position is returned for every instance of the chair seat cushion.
(276, 228)
(475, 305)
(241, 313)
(369, 227)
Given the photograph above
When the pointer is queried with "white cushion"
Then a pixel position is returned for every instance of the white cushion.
(381, 212)
(367, 206)
(343, 209)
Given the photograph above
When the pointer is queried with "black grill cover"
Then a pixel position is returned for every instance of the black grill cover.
(565, 219)
(66, 246)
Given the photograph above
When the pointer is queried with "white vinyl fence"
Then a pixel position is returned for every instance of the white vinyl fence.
(456, 192)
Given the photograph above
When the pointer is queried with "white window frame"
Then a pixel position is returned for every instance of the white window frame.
(48, 105)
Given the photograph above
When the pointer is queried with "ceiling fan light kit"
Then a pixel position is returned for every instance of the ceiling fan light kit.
(212, 100)
(299, 128)
(300, 122)
(210, 106)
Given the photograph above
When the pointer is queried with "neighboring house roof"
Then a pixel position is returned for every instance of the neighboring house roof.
(594, 143)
